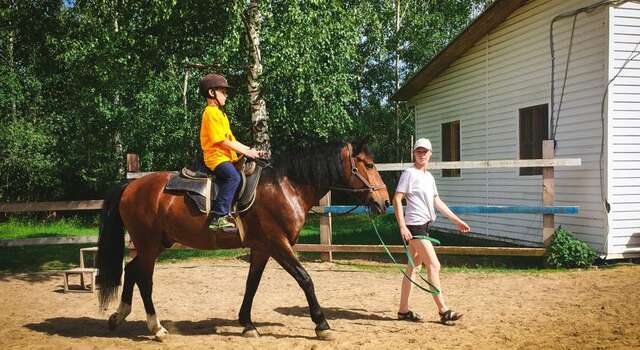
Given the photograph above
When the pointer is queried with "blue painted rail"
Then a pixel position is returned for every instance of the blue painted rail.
(471, 209)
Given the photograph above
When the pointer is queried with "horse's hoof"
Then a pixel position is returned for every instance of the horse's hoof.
(326, 334)
(113, 321)
(250, 333)
(161, 335)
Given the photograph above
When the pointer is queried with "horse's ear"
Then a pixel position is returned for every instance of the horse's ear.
(361, 146)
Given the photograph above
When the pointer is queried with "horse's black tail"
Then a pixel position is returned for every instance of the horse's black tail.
(110, 247)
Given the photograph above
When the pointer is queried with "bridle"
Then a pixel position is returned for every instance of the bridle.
(368, 187)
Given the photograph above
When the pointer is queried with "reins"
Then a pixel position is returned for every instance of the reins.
(336, 214)
(435, 290)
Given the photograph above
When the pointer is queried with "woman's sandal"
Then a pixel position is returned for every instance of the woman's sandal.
(449, 316)
(409, 316)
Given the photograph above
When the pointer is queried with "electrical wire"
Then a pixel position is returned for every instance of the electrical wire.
(554, 126)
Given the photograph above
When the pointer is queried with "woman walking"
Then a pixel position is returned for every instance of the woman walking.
(418, 187)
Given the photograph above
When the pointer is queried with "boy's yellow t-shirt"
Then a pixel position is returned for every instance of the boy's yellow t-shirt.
(215, 129)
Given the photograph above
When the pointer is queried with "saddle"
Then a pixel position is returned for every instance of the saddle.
(200, 187)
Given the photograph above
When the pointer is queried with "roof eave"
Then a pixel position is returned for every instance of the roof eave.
(497, 12)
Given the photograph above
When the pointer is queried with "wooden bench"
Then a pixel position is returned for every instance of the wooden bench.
(92, 250)
(82, 270)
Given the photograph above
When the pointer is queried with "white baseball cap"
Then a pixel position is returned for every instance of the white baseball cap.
(422, 143)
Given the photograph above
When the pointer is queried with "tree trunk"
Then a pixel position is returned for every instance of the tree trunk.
(12, 66)
(399, 154)
(117, 138)
(185, 84)
(259, 117)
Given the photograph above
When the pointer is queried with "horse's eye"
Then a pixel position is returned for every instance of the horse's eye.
(369, 165)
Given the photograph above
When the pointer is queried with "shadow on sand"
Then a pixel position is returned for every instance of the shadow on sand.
(136, 330)
(334, 313)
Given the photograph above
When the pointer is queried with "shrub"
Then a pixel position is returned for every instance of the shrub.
(567, 251)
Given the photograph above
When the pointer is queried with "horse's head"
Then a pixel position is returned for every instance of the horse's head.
(362, 177)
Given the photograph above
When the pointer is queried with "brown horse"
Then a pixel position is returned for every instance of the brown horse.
(155, 219)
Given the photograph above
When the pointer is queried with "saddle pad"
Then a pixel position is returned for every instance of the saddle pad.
(200, 190)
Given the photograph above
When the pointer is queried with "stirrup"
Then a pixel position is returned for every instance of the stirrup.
(221, 224)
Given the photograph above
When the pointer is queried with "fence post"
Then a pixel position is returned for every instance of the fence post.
(133, 166)
(548, 192)
(325, 227)
(133, 163)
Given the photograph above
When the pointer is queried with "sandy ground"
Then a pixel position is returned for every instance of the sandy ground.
(198, 302)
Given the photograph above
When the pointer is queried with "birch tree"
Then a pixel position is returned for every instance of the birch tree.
(259, 117)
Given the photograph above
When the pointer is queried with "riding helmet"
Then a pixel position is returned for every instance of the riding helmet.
(212, 81)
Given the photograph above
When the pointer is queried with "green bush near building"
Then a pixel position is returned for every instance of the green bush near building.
(567, 251)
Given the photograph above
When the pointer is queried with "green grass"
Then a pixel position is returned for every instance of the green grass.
(356, 229)
(40, 258)
(21, 228)
(43, 258)
(177, 255)
(350, 229)
(387, 266)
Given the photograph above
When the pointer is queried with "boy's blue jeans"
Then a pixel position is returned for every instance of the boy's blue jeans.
(228, 179)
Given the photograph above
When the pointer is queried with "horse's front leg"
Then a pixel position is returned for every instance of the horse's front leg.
(258, 262)
(285, 256)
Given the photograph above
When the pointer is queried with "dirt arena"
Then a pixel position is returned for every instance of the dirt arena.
(198, 302)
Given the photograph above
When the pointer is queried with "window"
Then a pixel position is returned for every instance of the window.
(534, 128)
(451, 147)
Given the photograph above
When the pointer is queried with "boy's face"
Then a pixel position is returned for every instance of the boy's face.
(220, 94)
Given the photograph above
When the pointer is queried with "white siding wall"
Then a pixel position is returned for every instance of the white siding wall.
(507, 70)
(624, 130)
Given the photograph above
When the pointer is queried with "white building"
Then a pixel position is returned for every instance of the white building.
(487, 95)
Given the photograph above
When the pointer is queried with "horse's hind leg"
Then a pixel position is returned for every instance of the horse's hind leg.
(145, 284)
(258, 262)
(130, 278)
(287, 259)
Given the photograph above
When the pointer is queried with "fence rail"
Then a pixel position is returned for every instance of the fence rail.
(50, 206)
(548, 210)
(355, 248)
(488, 164)
(315, 248)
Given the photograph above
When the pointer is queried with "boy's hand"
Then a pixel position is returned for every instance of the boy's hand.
(252, 153)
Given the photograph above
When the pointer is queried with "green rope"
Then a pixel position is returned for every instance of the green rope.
(434, 290)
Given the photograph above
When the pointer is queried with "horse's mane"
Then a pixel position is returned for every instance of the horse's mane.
(317, 165)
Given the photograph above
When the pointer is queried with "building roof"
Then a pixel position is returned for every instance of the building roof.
(497, 12)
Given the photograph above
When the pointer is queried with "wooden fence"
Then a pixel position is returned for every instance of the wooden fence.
(326, 248)
(548, 210)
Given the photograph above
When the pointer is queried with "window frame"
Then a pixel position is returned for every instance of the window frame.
(450, 173)
(532, 112)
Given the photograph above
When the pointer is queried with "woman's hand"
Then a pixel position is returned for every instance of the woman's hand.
(463, 227)
(405, 233)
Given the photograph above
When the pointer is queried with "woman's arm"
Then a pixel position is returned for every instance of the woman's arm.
(399, 212)
(444, 209)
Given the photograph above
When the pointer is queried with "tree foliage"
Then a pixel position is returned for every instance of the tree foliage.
(84, 82)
